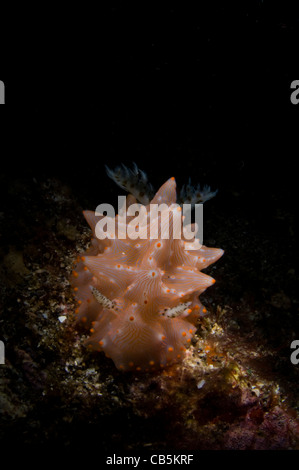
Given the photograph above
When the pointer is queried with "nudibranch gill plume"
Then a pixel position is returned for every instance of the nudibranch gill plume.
(139, 298)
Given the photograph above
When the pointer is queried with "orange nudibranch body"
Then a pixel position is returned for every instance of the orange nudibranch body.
(141, 296)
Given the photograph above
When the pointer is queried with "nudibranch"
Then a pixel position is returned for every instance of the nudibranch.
(139, 298)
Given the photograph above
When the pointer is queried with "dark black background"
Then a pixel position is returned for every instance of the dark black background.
(201, 91)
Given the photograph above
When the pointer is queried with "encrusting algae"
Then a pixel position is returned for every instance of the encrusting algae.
(231, 390)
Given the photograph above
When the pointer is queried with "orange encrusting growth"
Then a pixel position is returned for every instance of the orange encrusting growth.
(142, 278)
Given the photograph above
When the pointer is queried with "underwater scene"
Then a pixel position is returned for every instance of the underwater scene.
(149, 242)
